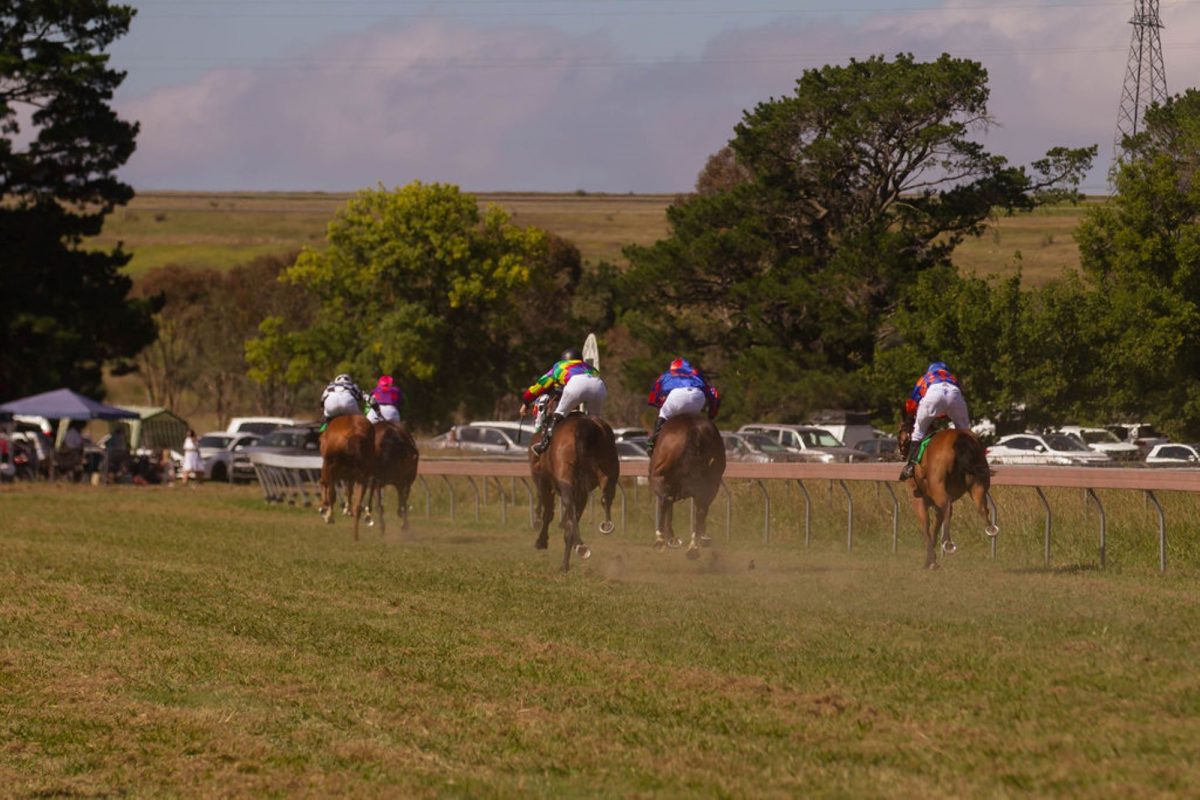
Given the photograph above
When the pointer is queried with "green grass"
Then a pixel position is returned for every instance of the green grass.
(176, 641)
(226, 229)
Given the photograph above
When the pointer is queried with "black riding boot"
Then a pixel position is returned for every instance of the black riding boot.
(914, 449)
(540, 447)
(658, 423)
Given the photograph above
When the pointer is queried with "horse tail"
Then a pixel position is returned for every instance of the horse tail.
(971, 456)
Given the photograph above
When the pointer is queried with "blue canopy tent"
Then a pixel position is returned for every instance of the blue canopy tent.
(65, 405)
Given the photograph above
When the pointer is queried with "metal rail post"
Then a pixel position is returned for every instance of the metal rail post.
(728, 511)
(1103, 528)
(474, 486)
(621, 489)
(428, 494)
(895, 516)
(992, 514)
(766, 510)
(503, 501)
(1049, 523)
(807, 513)
(849, 516)
(529, 496)
(450, 487)
(1162, 532)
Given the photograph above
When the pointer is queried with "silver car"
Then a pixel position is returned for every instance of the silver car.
(814, 444)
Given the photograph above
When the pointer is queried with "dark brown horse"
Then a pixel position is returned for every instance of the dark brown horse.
(581, 457)
(347, 455)
(688, 461)
(954, 464)
(396, 459)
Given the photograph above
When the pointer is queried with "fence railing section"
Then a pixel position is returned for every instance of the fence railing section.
(294, 480)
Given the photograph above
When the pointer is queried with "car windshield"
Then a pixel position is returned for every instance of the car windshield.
(819, 439)
(214, 441)
(1100, 437)
(1148, 431)
(1060, 441)
(766, 444)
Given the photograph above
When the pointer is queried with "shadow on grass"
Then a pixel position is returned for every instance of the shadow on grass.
(1066, 569)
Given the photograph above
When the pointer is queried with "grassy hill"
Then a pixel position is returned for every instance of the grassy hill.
(225, 229)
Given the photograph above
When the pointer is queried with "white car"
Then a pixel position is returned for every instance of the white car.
(258, 425)
(1174, 455)
(1138, 433)
(1104, 441)
(813, 444)
(220, 453)
(1045, 448)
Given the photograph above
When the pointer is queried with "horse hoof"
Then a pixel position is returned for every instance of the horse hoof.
(541, 544)
(674, 543)
(933, 566)
(693, 553)
(583, 551)
(992, 531)
(949, 548)
(606, 527)
(660, 541)
(704, 541)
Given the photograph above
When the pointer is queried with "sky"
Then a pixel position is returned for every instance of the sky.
(565, 95)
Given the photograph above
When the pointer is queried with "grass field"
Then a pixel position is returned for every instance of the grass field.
(165, 642)
(223, 230)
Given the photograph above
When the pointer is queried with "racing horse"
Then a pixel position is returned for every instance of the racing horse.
(347, 455)
(581, 457)
(688, 460)
(395, 464)
(954, 464)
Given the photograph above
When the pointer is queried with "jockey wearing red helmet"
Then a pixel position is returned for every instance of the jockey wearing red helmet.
(682, 389)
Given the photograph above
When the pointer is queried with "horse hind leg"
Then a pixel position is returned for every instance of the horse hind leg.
(664, 524)
(979, 495)
(949, 548)
(700, 528)
(608, 490)
(581, 549)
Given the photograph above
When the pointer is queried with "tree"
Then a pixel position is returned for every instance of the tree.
(857, 183)
(460, 305)
(67, 310)
(1142, 252)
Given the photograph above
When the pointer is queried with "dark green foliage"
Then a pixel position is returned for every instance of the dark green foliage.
(66, 308)
(856, 184)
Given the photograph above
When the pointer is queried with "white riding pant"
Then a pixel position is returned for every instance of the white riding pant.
(339, 404)
(684, 400)
(386, 411)
(583, 389)
(941, 399)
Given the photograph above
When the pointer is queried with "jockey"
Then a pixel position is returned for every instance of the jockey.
(682, 389)
(341, 397)
(385, 400)
(935, 395)
(579, 383)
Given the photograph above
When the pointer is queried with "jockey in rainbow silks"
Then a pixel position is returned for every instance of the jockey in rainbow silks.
(682, 389)
(936, 394)
(341, 397)
(385, 401)
(579, 384)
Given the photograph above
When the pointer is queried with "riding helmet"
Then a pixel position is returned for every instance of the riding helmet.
(571, 354)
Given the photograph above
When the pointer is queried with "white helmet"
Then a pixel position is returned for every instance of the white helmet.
(343, 380)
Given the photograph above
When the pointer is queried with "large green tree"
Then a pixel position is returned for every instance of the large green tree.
(460, 305)
(1142, 252)
(782, 272)
(66, 307)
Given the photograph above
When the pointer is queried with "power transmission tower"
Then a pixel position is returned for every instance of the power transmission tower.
(1145, 77)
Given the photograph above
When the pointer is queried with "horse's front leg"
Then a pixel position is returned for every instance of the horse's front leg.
(328, 494)
(363, 487)
(608, 490)
(700, 528)
(921, 506)
(949, 548)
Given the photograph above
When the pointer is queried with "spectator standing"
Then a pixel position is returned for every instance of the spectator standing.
(193, 465)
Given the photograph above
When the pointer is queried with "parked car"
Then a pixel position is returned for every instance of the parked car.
(848, 427)
(1172, 454)
(757, 448)
(881, 448)
(1141, 434)
(520, 432)
(299, 440)
(631, 451)
(1104, 441)
(259, 425)
(486, 439)
(225, 457)
(1049, 448)
(631, 434)
(813, 444)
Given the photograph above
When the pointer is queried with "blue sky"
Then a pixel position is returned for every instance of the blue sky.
(558, 95)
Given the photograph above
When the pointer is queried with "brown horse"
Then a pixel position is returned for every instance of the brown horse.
(688, 461)
(347, 454)
(954, 464)
(582, 456)
(396, 460)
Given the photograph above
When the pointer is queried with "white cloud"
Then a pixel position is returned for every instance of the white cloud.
(524, 107)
